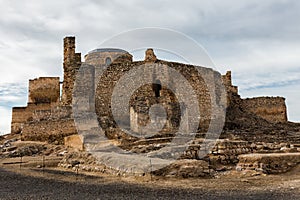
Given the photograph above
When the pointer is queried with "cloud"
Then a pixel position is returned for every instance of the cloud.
(263, 63)
(13, 94)
(5, 118)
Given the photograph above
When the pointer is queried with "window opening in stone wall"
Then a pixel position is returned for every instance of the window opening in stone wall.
(108, 61)
(156, 86)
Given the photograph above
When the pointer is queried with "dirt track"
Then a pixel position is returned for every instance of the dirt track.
(56, 184)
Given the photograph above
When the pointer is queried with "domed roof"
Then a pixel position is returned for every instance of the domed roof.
(107, 50)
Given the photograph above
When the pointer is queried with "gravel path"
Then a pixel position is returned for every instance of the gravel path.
(17, 186)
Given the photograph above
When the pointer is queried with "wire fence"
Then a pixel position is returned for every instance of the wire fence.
(46, 166)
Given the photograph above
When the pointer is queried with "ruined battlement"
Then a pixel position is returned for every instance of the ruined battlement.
(227, 81)
(44, 90)
(71, 65)
(48, 111)
(272, 109)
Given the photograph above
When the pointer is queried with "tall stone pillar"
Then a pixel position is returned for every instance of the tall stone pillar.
(72, 63)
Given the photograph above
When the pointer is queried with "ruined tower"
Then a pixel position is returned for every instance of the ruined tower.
(72, 63)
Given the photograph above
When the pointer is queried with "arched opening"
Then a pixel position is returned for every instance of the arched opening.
(156, 87)
(108, 61)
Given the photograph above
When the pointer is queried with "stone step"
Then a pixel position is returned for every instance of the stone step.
(268, 163)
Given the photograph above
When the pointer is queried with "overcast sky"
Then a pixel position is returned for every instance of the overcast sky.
(258, 40)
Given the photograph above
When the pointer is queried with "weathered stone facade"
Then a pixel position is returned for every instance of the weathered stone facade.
(147, 95)
(43, 94)
(272, 109)
(49, 115)
(44, 90)
(21, 115)
(72, 62)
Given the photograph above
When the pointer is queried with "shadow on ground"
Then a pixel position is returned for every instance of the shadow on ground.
(17, 186)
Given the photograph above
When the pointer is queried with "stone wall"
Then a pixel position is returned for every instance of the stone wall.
(52, 113)
(44, 90)
(43, 122)
(269, 163)
(224, 152)
(232, 91)
(21, 115)
(46, 118)
(43, 94)
(72, 62)
(228, 83)
(201, 80)
(100, 59)
(272, 109)
(144, 99)
(52, 131)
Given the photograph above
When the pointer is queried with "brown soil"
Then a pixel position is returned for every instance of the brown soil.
(30, 182)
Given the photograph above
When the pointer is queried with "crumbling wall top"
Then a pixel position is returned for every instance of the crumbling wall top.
(150, 56)
(44, 90)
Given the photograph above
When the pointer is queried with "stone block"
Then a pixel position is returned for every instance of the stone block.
(75, 142)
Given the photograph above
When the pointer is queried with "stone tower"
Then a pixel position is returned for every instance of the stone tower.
(100, 59)
(72, 63)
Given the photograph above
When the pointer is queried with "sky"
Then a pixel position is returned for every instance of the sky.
(259, 41)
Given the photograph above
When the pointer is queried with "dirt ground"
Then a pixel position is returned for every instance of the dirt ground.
(28, 181)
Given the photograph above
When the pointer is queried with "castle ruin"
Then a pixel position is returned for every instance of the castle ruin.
(48, 114)
(251, 125)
